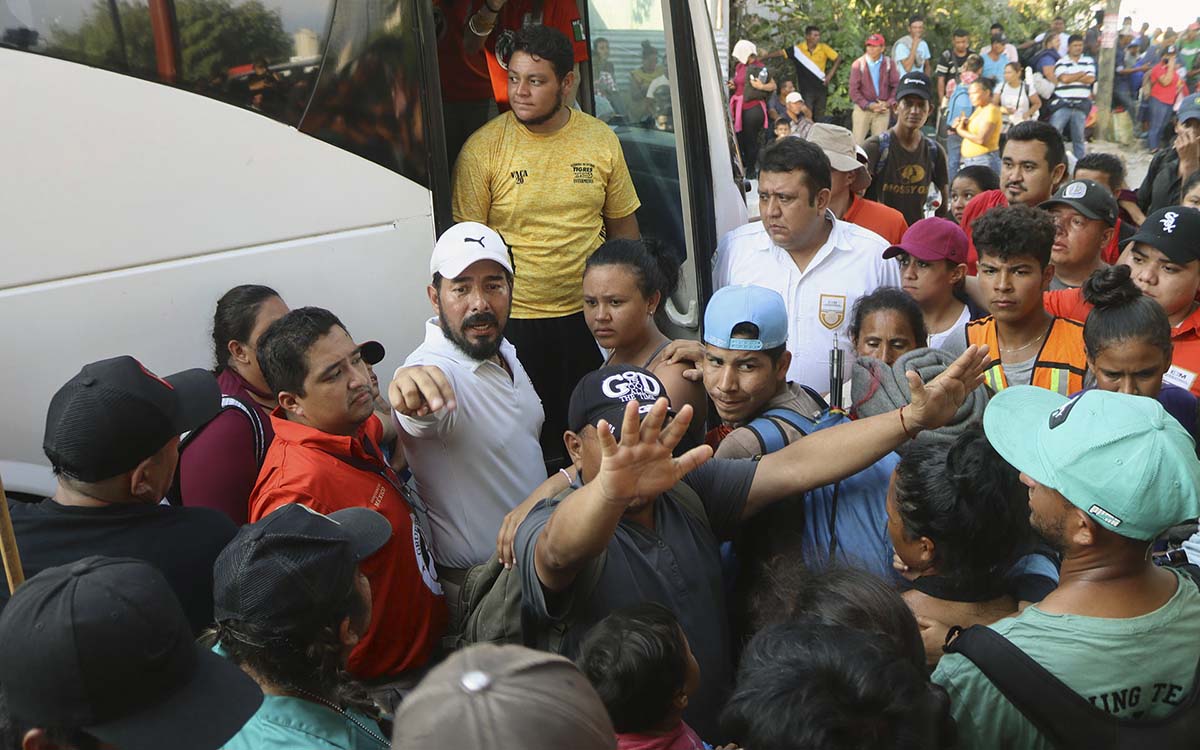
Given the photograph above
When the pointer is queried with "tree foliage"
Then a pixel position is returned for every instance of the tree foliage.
(213, 34)
(845, 24)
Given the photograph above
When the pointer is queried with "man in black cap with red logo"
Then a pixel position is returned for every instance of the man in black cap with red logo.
(112, 437)
(645, 525)
(98, 654)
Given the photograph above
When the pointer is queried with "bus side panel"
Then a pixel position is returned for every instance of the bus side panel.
(373, 279)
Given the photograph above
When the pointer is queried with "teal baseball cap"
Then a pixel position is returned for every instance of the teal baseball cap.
(1121, 459)
(734, 305)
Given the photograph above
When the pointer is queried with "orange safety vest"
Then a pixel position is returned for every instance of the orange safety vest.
(1060, 365)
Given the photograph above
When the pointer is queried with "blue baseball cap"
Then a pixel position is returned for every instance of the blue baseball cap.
(1189, 108)
(734, 305)
(1121, 459)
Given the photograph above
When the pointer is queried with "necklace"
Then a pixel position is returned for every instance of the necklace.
(342, 711)
(1026, 346)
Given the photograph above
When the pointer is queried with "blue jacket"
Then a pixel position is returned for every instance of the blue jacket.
(286, 723)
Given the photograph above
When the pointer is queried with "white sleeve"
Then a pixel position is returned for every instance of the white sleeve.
(1191, 546)
(721, 270)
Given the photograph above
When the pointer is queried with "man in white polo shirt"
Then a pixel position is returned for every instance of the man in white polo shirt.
(469, 417)
(818, 264)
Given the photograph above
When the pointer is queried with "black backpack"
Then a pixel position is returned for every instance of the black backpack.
(1062, 715)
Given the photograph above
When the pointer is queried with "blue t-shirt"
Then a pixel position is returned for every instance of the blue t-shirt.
(994, 69)
(960, 103)
(904, 49)
(873, 69)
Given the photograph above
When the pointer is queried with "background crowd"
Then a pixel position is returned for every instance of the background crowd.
(909, 457)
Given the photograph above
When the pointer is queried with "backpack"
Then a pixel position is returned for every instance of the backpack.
(885, 146)
(234, 403)
(768, 428)
(490, 603)
(1063, 716)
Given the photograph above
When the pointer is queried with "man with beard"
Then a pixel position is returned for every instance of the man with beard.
(1107, 473)
(326, 456)
(554, 183)
(469, 417)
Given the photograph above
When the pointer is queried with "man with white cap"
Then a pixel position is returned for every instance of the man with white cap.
(849, 179)
(469, 416)
(799, 116)
(1107, 474)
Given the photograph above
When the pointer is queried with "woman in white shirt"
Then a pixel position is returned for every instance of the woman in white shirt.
(1016, 98)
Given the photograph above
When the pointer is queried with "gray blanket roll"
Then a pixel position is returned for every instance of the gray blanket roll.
(876, 389)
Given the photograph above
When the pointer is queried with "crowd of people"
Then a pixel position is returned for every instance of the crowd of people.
(906, 454)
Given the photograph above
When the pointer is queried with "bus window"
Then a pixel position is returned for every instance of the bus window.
(631, 83)
(351, 78)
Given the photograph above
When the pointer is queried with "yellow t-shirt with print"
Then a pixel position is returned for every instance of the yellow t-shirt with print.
(548, 196)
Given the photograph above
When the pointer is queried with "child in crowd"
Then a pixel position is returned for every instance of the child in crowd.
(640, 663)
(783, 128)
(968, 183)
(933, 264)
(1191, 191)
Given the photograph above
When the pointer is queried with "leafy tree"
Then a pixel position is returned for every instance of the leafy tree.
(213, 34)
(845, 24)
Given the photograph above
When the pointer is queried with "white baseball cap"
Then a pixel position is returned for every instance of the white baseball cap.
(465, 243)
(794, 96)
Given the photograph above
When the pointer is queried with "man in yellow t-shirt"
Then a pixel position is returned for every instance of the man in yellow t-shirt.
(811, 59)
(553, 182)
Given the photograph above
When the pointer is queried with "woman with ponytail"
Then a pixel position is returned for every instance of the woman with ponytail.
(958, 518)
(1128, 340)
(625, 282)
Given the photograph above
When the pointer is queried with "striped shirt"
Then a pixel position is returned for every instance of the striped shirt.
(1067, 66)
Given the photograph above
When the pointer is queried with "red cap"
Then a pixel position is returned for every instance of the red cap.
(875, 40)
(932, 239)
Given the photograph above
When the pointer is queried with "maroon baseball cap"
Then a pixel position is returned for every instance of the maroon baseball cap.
(932, 239)
(875, 40)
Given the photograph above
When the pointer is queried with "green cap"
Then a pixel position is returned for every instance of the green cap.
(1121, 459)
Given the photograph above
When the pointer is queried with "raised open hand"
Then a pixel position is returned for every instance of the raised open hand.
(641, 464)
(934, 404)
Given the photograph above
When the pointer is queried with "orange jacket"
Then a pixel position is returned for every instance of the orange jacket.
(1061, 362)
(884, 221)
(1185, 362)
(330, 472)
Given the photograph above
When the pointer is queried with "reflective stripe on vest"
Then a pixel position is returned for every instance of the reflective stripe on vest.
(1060, 364)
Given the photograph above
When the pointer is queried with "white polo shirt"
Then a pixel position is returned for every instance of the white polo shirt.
(475, 464)
(819, 299)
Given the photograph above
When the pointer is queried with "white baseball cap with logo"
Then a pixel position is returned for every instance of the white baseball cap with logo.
(466, 243)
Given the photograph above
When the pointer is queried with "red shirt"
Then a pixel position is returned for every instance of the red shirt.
(330, 472)
(1165, 94)
(463, 79)
(559, 14)
(979, 205)
(1185, 362)
(884, 221)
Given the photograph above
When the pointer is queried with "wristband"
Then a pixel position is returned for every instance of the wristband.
(903, 426)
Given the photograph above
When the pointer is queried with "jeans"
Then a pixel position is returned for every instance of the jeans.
(953, 154)
(1068, 118)
(1160, 115)
(991, 160)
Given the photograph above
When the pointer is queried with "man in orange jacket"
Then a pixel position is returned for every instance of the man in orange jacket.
(326, 456)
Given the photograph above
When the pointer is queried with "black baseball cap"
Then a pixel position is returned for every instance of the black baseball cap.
(102, 645)
(1089, 198)
(603, 393)
(372, 352)
(115, 414)
(294, 567)
(914, 83)
(1174, 230)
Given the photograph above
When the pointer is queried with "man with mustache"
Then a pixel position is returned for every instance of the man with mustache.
(468, 414)
(1032, 165)
(326, 456)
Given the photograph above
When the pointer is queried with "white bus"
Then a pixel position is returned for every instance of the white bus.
(147, 168)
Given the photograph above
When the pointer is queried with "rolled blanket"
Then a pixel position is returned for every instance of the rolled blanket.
(876, 389)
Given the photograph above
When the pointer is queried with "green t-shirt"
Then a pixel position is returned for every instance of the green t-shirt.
(1139, 667)
(1188, 49)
